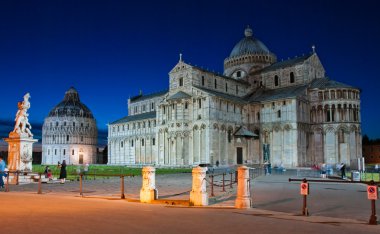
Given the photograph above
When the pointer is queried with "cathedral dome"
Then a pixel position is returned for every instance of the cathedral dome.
(248, 45)
(71, 106)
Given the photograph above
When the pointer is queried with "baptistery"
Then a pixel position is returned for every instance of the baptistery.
(69, 132)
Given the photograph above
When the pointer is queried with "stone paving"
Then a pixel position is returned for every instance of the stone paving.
(169, 186)
(271, 193)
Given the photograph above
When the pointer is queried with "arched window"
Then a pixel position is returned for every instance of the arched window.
(181, 81)
(229, 136)
(238, 74)
(341, 136)
(215, 84)
(67, 138)
(132, 143)
(276, 80)
(142, 142)
(279, 114)
(154, 141)
(203, 81)
(186, 105)
(226, 87)
(258, 116)
(291, 77)
(121, 144)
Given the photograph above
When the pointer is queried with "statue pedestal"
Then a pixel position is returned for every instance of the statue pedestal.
(20, 149)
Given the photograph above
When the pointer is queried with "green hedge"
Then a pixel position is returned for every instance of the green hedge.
(106, 169)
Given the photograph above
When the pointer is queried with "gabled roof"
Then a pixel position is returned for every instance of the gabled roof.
(286, 63)
(178, 95)
(263, 94)
(223, 95)
(326, 83)
(142, 97)
(244, 132)
(129, 118)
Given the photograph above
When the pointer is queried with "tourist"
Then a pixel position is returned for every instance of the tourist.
(62, 174)
(343, 170)
(323, 170)
(266, 167)
(46, 171)
(269, 168)
(50, 175)
(2, 169)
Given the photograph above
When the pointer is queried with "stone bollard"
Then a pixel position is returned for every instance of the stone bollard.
(198, 194)
(243, 198)
(148, 192)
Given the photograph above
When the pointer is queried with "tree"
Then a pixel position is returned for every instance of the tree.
(365, 140)
(105, 155)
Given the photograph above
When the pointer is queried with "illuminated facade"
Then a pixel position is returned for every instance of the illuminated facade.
(69, 132)
(260, 109)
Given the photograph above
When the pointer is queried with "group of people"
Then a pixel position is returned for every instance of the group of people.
(62, 172)
(327, 169)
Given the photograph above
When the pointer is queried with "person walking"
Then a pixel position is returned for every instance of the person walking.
(343, 170)
(2, 169)
(62, 173)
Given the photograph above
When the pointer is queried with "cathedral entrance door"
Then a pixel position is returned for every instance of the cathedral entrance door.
(81, 159)
(239, 155)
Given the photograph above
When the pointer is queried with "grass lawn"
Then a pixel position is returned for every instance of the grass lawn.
(72, 170)
(368, 176)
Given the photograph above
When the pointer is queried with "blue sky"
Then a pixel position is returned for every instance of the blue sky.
(109, 50)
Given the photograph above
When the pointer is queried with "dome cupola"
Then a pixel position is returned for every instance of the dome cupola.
(71, 106)
(248, 55)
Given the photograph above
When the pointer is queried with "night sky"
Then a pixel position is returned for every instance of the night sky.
(109, 50)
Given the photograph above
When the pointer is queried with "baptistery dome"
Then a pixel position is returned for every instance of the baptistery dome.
(71, 106)
(69, 132)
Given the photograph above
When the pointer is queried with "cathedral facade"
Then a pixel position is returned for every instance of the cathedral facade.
(260, 109)
(69, 132)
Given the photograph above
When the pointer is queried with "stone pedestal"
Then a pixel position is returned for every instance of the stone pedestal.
(243, 198)
(20, 149)
(198, 194)
(148, 192)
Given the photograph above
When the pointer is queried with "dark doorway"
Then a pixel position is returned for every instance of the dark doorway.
(239, 155)
(81, 159)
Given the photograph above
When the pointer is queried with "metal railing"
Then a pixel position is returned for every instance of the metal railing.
(81, 180)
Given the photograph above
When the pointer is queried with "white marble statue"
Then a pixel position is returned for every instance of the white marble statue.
(22, 124)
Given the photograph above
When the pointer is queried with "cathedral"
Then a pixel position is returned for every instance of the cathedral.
(259, 110)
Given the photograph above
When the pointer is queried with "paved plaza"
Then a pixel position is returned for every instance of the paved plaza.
(277, 204)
